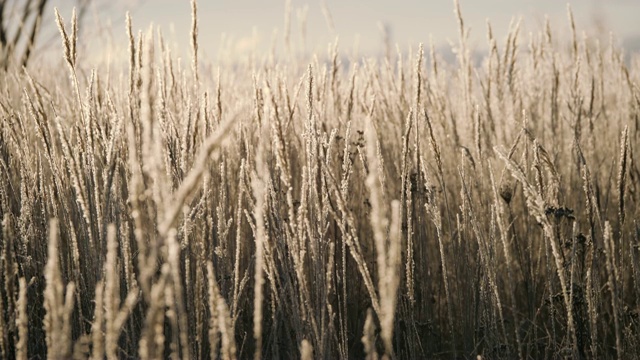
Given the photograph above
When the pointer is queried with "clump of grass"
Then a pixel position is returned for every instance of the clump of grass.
(287, 204)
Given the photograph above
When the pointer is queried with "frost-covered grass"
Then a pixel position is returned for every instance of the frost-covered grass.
(323, 207)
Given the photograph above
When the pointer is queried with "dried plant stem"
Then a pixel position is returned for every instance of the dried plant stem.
(22, 322)
(622, 171)
(536, 204)
(194, 39)
(613, 281)
(368, 338)
(58, 306)
(260, 193)
(210, 148)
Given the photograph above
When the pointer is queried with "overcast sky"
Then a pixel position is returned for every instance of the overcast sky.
(410, 21)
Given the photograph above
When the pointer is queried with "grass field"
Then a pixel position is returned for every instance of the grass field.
(323, 206)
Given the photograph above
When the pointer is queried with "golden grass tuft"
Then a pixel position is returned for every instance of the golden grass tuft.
(303, 205)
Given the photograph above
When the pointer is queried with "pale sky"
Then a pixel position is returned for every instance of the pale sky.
(410, 21)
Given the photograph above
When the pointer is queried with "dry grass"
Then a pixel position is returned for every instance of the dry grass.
(322, 207)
